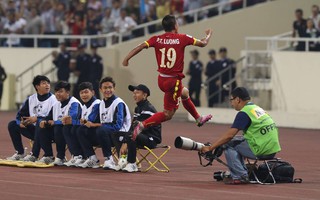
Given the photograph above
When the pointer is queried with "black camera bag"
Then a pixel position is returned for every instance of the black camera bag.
(282, 171)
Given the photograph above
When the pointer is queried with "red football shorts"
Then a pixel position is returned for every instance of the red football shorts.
(172, 87)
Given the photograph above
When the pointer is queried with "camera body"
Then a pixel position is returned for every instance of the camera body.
(220, 175)
(189, 144)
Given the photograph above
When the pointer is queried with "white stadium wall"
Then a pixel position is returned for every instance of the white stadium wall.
(16, 60)
(295, 83)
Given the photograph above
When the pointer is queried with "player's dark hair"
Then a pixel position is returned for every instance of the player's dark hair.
(37, 80)
(85, 85)
(107, 79)
(169, 23)
(62, 85)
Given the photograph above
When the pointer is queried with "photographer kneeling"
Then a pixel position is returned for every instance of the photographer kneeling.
(260, 136)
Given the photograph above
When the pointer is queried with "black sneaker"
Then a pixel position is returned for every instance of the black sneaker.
(231, 181)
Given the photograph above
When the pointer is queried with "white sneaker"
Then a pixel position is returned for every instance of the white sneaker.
(58, 161)
(90, 163)
(29, 158)
(117, 168)
(79, 161)
(46, 160)
(131, 167)
(122, 162)
(15, 157)
(109, 164)
(70, 163)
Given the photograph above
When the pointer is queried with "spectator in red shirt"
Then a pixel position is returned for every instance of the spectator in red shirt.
(77, 28)
(177, 6)
(169, 49)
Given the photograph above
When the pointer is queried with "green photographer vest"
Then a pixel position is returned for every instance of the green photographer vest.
(262, 134)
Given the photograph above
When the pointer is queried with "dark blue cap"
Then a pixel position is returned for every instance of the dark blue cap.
(212, 51)
(141, 87)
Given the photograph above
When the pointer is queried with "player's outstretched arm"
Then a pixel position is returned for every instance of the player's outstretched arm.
(204, 41)
(133, 52)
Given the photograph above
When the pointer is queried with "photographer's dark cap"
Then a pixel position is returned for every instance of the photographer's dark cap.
(223, 49)
(241, 92)
(212, 51)
(141, 87)
(195, 52)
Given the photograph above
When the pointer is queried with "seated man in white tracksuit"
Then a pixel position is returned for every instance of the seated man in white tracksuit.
(34, 109)
(114, 117)
(59, 125)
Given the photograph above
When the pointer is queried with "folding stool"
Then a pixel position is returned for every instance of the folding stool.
(265, 160)
(156, 159)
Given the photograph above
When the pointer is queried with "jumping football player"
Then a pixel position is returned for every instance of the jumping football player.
(169, 50)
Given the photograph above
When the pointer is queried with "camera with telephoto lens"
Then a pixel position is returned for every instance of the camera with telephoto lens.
(187, 144)
(220, 175)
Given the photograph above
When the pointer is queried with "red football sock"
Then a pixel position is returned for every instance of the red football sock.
(189, 106)
(155, 119)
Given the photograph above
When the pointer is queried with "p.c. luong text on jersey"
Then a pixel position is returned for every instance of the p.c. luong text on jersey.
(168, 41)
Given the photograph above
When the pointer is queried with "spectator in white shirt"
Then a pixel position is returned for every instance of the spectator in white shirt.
(34, 26)
(12, 27)
(315, 16)
(107, 23)
(95, 4)
(124, 25)
(11, 6)
(311, 32)
(115, 11)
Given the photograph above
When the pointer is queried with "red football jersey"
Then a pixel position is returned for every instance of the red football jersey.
(169, 49)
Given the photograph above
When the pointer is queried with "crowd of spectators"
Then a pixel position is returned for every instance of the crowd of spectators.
(307, 28)
(93, 17)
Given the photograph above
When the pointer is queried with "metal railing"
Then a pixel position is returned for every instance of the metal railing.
(24, 79)
(258, 52)
(257, 65)
(283, 41)
(24, 85)
(109, 38)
